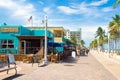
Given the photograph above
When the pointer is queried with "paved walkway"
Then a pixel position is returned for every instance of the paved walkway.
(112, 64)
(83, 68)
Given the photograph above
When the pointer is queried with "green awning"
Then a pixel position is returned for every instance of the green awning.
(67, 41)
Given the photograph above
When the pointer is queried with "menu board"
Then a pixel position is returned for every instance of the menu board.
(11, 58)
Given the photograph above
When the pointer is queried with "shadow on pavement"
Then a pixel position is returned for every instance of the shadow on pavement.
(12, 77)
(83, 55)
(70, 59)
(68, 65)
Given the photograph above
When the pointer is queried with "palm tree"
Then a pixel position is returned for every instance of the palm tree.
(115, 23)
(116, 3)
(114, 27)
(73, 39)
(106, 39)
(114, 35)
(82, 43)
(93, 44)
(100, 33)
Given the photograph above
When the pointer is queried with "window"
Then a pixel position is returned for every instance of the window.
(6, 44)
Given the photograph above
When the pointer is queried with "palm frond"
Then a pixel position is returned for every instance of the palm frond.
(116, 3)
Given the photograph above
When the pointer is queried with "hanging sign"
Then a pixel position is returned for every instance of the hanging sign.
(9, 29)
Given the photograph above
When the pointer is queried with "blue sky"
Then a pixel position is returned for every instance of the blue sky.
(71, 14)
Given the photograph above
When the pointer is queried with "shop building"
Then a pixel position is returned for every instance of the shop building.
(21, 40)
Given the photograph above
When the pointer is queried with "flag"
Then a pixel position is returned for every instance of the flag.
(30, 19)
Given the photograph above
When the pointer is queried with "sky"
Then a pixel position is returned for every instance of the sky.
(70, 14)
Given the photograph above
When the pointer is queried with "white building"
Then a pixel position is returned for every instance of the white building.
(77, 34)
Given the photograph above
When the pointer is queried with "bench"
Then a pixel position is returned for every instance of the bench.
(8, 64)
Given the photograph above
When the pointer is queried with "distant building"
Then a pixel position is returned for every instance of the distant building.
(77, 34)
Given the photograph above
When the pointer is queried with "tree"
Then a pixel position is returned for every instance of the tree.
(73, 39)
(93, 44)
(116, 3)
(100, 33)
(82, 43)
(114, 27)
(115, 23)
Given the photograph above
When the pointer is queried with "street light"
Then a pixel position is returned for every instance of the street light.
(45, 48)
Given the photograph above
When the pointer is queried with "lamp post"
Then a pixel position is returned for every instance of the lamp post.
(45, 48)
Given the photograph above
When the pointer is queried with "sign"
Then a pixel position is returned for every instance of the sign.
(11, 58)
(73, 54)
(9, 29)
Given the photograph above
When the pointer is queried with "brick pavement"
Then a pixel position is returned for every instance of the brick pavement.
(83, 68)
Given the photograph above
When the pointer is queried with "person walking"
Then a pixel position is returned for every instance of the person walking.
(78, 52)
(87, 51)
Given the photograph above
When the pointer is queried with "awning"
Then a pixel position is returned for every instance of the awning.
(54, 44)
(31, 37)
(67, 41)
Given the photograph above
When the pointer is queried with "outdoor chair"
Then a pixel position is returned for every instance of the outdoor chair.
(36, 59)
(8, 64)
(54, 57)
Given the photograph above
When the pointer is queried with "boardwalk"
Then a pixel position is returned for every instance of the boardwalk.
(83, 68)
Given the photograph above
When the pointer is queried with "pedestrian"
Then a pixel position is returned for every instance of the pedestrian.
(87, 51)
(78, 52)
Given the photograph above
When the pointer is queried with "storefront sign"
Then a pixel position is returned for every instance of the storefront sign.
(9, 29)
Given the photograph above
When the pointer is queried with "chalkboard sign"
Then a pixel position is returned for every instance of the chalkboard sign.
(73, 54)
(11, 58)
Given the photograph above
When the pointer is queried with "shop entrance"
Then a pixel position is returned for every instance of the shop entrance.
(30, 46)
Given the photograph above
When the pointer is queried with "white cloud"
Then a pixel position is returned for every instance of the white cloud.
(20, 9)
(82, 8)
(86, 9)
(47, 10)
(3, 3)
(107, 9)
(88, 32)
(98, 3)
(68, 10)
(40, 2)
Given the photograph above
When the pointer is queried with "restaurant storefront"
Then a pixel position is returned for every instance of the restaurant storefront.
(21, 40)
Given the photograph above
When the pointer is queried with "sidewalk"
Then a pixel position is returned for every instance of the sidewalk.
(82, 68)
(110, 63)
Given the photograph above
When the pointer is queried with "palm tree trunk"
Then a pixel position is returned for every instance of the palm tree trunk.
(114, 46)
